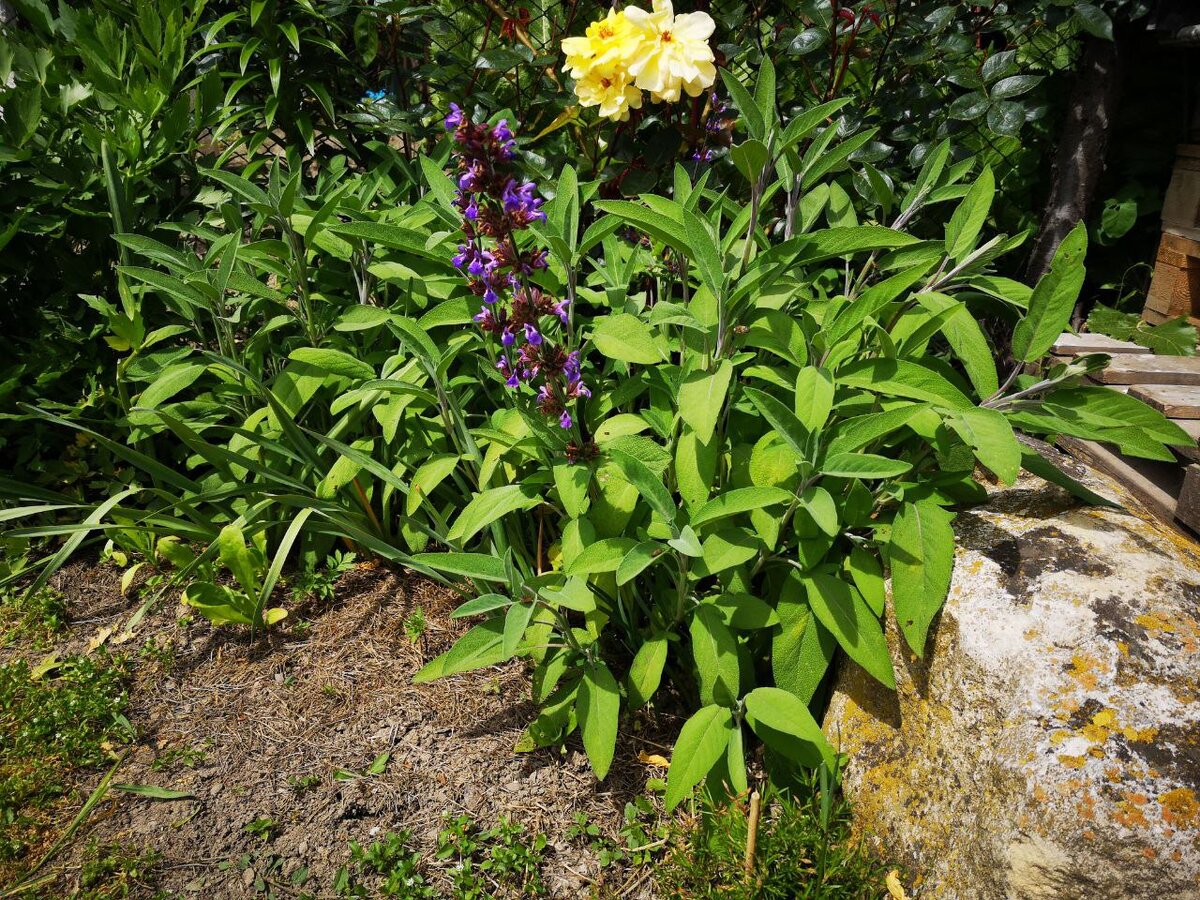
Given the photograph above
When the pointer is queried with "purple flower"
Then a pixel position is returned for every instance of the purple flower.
(472, 210)
(521, 203)
(460, 258)
(455, 118)
(533, 335)
(564, 421)
(507, 338)
(571, 366)
(490, 296)
(560, 310)
(501, 132)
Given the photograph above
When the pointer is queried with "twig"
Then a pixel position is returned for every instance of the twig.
(752, 831)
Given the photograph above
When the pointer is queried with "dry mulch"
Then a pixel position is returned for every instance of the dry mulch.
(259, 716)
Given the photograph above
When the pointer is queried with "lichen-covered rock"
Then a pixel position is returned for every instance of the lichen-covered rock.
(1048, 746)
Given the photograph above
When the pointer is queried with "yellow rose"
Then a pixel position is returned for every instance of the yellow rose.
(611, 88)
(673, 53)
(609, 41)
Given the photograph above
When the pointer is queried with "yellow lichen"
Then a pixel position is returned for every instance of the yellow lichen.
(1156, 622)
(1180, 807)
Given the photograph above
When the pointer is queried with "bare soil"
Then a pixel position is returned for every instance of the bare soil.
(239, 723)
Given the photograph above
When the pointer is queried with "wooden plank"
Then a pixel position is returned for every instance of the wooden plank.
(1075, 344)
(1187, 510)
(1177, 250)
(1146, 368)
(1174, 290)
(1175, 400)
(1156, 485)
(1192, 427)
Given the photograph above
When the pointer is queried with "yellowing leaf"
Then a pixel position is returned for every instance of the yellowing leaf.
(49, 664)
(894, 888)
(100, 638)
(653, 759)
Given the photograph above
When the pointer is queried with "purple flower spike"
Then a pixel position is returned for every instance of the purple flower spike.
(500, 268)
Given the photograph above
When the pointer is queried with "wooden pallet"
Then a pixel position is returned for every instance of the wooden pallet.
(1170, 384)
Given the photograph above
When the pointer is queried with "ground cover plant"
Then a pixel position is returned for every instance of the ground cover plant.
(59, 718)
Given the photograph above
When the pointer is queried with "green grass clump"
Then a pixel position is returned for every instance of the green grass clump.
(62, 721)
(804, 850)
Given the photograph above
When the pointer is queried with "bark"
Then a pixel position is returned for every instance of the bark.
(1082, 145)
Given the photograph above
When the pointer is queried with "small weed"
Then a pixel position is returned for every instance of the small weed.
(116, 871)
(503, 861)
(515, 859)
(318, 583)
(469, 863)
(643, 834)
(390, 864)
(301, 627)
(331, 691)
(262, 828)
(188, 757)
(804, 851)
(163, 654)
(584, 831)
(269, 880)
(302, 784)
(414, 624)
(34, 618)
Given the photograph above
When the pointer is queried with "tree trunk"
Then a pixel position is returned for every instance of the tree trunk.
(1082, 145)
